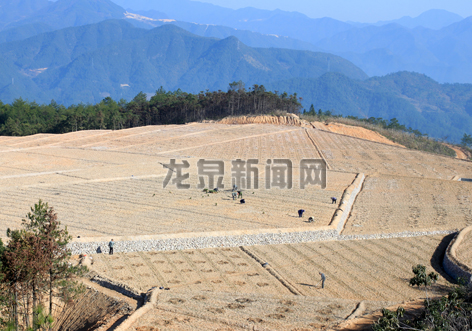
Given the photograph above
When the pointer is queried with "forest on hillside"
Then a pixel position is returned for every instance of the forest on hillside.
(22, 118)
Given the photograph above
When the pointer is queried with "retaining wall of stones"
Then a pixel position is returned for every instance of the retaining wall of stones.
(208, 240)
(115, 285)
(150, 303)
(347, 200)
(226, 239)
(451, 264)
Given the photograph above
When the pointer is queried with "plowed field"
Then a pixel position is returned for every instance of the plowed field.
(394, 204)
(228, 287)
(354, 155)
(110, 184)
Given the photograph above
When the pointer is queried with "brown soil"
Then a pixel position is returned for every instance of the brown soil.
(395, 204)
(413, 309)
(110, 183)
(204, 291)
(348, 154)
(354, 131)
(290, 119)
(460, 154)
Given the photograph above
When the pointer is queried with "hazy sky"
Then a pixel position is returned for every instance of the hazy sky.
(354, 10)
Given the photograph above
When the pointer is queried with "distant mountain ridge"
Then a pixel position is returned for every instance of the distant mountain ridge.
(144, 49)
(440, 110)
(66, 13)
(431, 43)
(431, 19)
(278, 22)
(16, 10)
(113, 58)
(441, 54)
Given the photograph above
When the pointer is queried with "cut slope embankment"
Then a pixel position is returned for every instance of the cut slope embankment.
(354, 131)
(292, 119)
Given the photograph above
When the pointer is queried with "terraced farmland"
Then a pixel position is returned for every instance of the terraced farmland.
(108, 184)
(210, 286)
(394, 204)
(349, 154)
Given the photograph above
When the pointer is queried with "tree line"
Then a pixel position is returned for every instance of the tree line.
(35, 273)
(22, 118)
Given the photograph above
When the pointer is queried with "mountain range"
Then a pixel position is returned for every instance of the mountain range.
(443, 111)
(77, 51)
(113, 58)
(435, 43)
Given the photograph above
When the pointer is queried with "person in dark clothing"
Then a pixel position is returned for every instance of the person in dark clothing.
(300, 212)
(242, 201)
(323, 278)
(111, 244)
(333, 200)
(240, 194)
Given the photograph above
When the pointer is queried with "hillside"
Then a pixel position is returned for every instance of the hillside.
(431, 19)
(66, 13)
(435, 43)
(216, 263)
(278, 22)
(15, 10)
(417, 101)
(441, 54)
(112, 58)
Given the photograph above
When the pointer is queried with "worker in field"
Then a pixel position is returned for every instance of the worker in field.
(333, 200)
(242, 201)
(240, 194)
(300, 212)
(311, 219)
(233, 194)
(323, 279)
(111, 244)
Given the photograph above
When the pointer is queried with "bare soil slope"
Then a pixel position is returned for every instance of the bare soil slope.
(396, 204)
(354, 131)
(110, 183)
(226, 287)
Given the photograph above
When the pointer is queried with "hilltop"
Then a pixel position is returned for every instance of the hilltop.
(210, 261)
